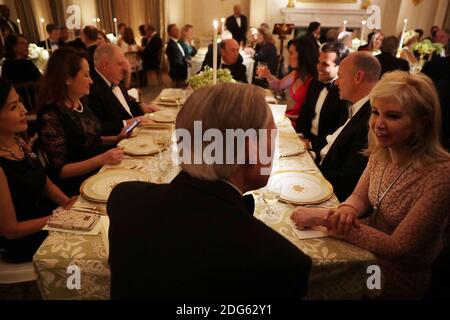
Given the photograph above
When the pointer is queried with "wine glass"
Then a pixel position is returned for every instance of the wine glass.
(271, 195)
(261, 70)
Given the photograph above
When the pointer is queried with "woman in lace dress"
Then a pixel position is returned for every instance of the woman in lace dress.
(405, 189)
(69, 132)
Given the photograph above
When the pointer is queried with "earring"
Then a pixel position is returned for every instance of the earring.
(68, 83)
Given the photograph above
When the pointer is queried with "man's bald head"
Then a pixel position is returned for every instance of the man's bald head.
(237, 10)
(110, 60)
(230, 51)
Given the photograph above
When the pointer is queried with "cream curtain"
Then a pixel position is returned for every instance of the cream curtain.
(58, 12)
(106, 14)
(28, 21)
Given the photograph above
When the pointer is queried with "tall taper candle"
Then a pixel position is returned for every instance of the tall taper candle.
(223, 26)
(20, 26)
(116, 32)
(363, 30)
(402, 38)
(345, 25)
(43, 32)
(215, 51)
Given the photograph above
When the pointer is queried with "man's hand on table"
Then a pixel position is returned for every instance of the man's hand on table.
(149, 108)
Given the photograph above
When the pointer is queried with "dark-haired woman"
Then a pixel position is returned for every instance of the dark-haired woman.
(303, 58)
(69, 132)
(26, 194)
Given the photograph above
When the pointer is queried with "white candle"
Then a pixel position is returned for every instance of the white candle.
(43, 32)
(345, 25)
(20, 26)
(223, 26)
(95, 22)
(99, 25)
(116, 32)
(216, 26)
(402, 38)
(363, 30)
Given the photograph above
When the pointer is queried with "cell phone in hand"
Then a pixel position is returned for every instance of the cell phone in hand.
(132, 127)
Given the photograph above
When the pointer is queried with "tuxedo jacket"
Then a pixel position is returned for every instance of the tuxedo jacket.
(91, 51)
(197, 239)
(238, 70)
(239, 33)
(178, 67)
(333, 115)
(344, 163)
(390, 63)
(151, 55)
(108, 108)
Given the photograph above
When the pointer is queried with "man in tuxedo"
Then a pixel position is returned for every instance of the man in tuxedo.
(387, 58)
(238, 25)
(196, 238)
(6, 24)
(178, 65)
(323, 112)
(108, 98)
(342, 163)
(90, 38)
(314, 32)
(53, 41)
(228, 57)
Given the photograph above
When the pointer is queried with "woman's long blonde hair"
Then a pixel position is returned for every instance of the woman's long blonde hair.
(417, 95)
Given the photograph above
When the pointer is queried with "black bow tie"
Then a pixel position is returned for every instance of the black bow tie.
(328, 85)
(249, 203)
(113, 86)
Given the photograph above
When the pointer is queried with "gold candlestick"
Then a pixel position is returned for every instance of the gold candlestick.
(291, 4)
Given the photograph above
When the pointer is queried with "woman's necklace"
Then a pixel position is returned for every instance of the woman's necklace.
(380, 196)
(20, 156)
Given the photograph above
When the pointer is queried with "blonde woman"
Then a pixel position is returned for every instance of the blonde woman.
(411, 37)
(405, 188)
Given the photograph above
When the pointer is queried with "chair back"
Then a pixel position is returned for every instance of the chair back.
(11, 273)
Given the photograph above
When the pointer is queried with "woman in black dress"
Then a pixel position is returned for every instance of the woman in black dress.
(266, 53)
(69, 132)
(27, 196)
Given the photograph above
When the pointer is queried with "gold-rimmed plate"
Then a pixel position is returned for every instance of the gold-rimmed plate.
(140, 146)
(291, 147)
(165, 116)
(98, 188)
(301, 188)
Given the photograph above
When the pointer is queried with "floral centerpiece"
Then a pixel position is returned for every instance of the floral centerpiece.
(426, 49)
(39, 56)
(205, 78)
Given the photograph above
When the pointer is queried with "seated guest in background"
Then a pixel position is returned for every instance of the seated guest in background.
(266, 54)
(228, 58)
(346, 38)
(186, 41)
(102, 38)
(17, 68)
(206, 244)
(53, 42)
(69, 132)
(405, 188)
(375, 40)
(341, 160)
(388, 56)
(442, 37)
(108, 98)
(64, 34)
(152, 53)
(420, 33)
(178, 65)
(90, 40)
(26, 194)
(78, 42)
(303, 58)
(324, 112)
(252, 40)
(129, 43)
(410, 39)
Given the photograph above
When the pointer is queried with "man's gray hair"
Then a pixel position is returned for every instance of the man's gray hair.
(104, 52)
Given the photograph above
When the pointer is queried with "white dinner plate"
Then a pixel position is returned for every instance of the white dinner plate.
(139, 146)
(301, 188)
(98, 188)
(165, 116)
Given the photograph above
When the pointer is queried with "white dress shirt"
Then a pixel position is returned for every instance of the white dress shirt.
(119, 95)
(320, 101)
(332, 138)
(179, 46)
(238, 21)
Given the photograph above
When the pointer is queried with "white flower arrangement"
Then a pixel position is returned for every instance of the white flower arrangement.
(205, 78)
(39, 56)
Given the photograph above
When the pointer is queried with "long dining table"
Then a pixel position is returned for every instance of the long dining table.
(339, 271)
